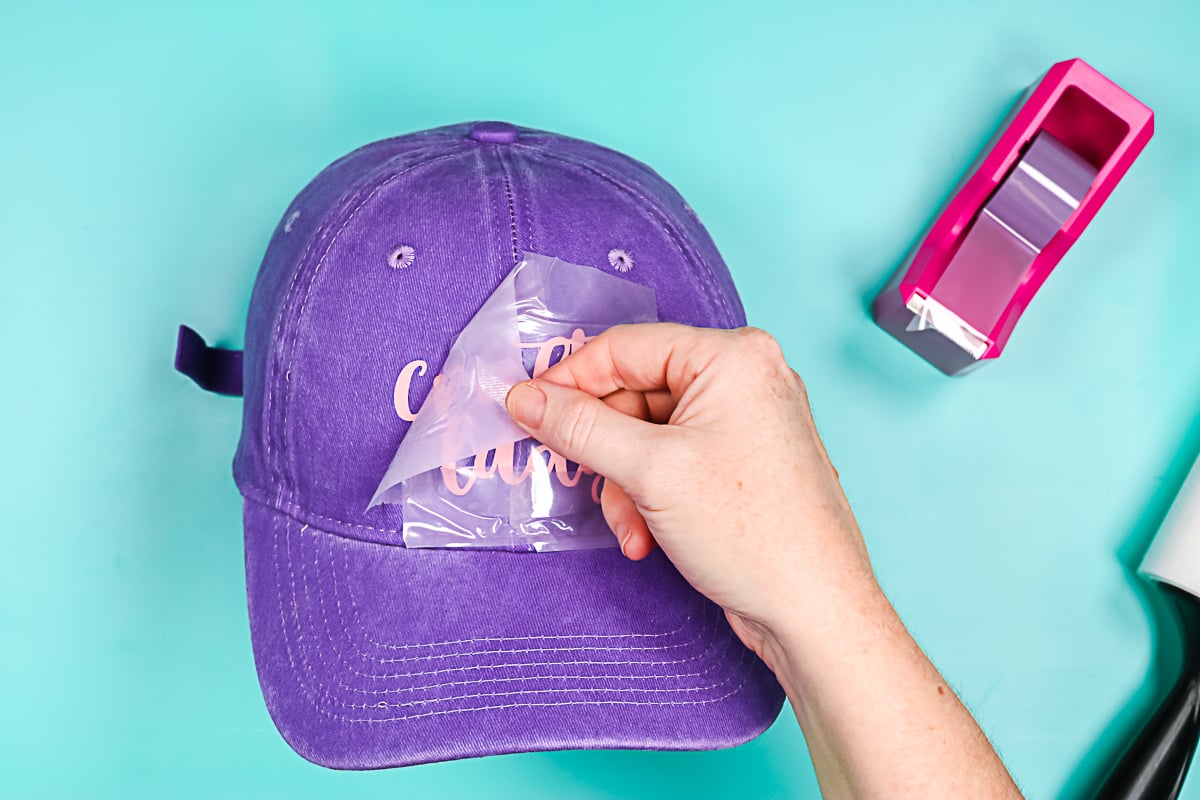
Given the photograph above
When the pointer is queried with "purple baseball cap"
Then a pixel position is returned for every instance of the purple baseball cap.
(373, 655)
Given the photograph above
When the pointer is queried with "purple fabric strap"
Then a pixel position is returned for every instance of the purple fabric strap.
(213, 368)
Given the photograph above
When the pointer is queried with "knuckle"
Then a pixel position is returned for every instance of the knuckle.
(612, 331)
(577, 427)
(761, 349)
(763, 342)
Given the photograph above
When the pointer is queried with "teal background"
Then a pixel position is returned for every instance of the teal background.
(147, 150)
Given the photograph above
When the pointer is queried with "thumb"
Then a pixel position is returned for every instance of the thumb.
(581, 428)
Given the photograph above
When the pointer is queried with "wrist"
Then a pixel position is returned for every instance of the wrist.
(831, 625)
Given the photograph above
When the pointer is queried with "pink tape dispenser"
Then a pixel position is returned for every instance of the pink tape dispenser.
(956, 300)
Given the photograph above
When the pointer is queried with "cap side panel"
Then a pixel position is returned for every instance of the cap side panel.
(707, 269)
(647, 181)
(291, 244)
(276, 397)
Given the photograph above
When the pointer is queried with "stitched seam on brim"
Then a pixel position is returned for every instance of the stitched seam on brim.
(324, 690)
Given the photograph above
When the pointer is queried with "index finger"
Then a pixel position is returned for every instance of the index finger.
(644, 357)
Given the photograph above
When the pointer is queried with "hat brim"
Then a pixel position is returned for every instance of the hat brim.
(374, 656)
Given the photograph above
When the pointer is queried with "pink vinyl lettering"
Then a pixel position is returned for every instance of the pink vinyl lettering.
(460, 480)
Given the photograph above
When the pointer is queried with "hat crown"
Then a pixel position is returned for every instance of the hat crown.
(380, 262)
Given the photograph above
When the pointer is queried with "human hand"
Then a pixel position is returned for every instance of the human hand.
(709, 450)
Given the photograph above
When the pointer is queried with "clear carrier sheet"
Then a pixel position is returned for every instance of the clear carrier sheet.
(465, 475)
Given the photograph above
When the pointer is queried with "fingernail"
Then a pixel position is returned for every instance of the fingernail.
(623, 533)
(526, 404)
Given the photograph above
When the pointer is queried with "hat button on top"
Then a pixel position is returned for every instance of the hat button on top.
(494, 132)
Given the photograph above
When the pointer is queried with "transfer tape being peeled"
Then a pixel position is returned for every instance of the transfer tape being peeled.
(466, 475)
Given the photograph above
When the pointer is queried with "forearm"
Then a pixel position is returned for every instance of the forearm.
(782, 555)
(878, 718)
